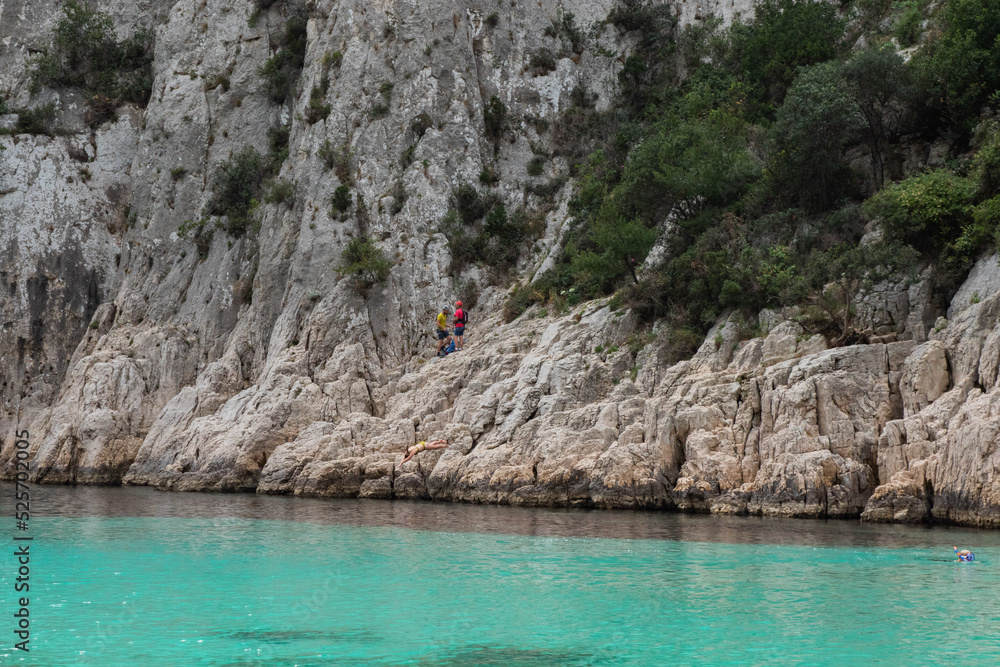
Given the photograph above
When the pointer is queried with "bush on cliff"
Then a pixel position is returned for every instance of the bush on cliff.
(235, 185)
(925, 211)
(960, 67)
(281, 71)
(765, 52)
(813, 127)
(366, 261)
(86, 54)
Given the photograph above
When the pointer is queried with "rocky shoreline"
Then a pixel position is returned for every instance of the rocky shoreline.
(136, 353)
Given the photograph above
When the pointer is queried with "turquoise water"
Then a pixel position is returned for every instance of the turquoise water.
(206, 589)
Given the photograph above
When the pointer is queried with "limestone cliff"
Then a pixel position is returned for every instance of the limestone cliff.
(135, 353)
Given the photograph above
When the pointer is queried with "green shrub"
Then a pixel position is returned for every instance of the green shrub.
(489, 176)
(986, 217)
(202, 234)
(564, 29)
(536, 167)
(816, 122)
(281, 71)
(783, 35)
(234, 185)
(462, 241)
(341, 199)
(493, 20)
(907, 28)
(318, 110)
(282, 191)
(471, 206)
(547, 189)
(542, 62)
(961, 67)
(380, 109)
(87, 54)
(399, 197)
(38, 120)
(277, 139)
(337, 158)
(985, 167)
(648, 72)
(521, 298)
(981, 233)
(333, 59)
(495, 118)
(926, 211)
(366, 261)
(846, 274)
(871, 14)
(177, 173)
(582, 98)
(407, 157)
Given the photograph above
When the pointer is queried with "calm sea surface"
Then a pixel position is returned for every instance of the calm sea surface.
(140, 577)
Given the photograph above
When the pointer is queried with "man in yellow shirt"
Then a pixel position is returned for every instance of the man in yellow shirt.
(442, 329)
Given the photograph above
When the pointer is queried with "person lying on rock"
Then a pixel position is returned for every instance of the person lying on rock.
(413, 450)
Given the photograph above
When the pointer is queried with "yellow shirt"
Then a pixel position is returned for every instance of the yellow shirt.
(442, 320)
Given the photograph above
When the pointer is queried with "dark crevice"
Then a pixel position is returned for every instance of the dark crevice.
(929, 501)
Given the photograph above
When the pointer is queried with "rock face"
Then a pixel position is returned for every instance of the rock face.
(939, 461)
(138, 354)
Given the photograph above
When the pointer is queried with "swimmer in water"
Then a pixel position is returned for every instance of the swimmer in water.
(413, 450)
(964, 555)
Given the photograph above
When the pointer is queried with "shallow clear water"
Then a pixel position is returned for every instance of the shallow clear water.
(136, 577)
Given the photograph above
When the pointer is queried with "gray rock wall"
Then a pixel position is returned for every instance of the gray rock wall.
(136, 355)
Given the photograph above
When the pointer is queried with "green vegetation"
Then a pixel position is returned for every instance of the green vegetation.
(495, 118)
(332, 59)
(318, 110)
(565, 30)
(747, 155)
(341, 200)
(479, 229)
(380, 109)
(235, 184)
(542, 62)
(407, 157)
(765, 53)
(39, 120)
(536, 167)
(282, 191)
(281, 71)
(366, 261)
(337, 158)
(86, 54)
(907, 29)
(277, 139)
(961, 67)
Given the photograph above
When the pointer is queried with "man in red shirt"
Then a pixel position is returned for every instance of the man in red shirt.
(461, 317)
